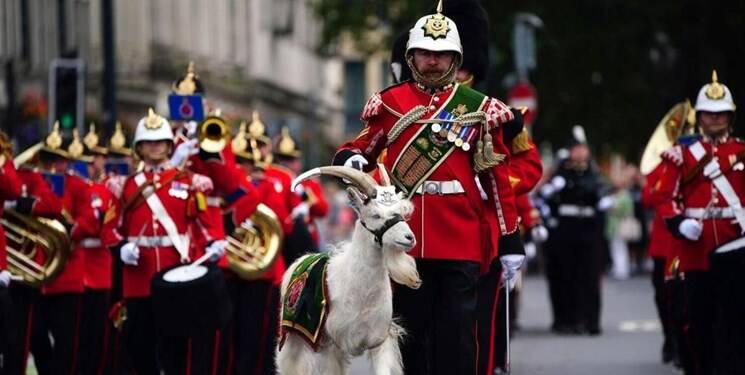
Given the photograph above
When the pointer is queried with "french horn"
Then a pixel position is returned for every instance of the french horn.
(253, 249)
(29, 239)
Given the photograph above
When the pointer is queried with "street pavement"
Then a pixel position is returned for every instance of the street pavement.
(630, 343)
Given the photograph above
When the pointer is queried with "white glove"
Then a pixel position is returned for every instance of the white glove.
(554, 186)
(605, 203)
(191, 128)
(303, 209)
(9, 205)
(130, 254)
(357, 162)
(511, 264)
(712, 170)
(216, 249)
(539, 234)
(5, 278)
(183, 151)
(691, 229)
(248, 223)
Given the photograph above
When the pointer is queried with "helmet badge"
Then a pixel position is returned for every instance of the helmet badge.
(436, 26)
(715, 90)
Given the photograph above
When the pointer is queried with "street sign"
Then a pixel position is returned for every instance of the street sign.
(66, 94)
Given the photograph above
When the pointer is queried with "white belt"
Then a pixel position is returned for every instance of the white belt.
(711, 213)
(737, 244)
(573, 210)
(90, 243)
(214, 201)
(156, 241)
(440, 187)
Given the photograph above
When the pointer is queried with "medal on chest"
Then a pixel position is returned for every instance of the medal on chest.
(179, 190)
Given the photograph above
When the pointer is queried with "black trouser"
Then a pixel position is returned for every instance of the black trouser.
(440, 318)
(139, 337)
(701, 307)
(95, 332)
(579, 276)
(557, 285)
(58, 316)
(679, 321)
(249, 341)
(728, 272)
(23, 299)
(6, 324)
(662, 302)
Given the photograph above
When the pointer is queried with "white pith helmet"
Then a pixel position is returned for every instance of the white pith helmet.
(715, 97)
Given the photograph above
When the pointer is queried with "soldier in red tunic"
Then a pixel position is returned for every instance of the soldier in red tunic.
(446, 146)
(313, 205)
(165, 221)
(700, 193)
(10, 190)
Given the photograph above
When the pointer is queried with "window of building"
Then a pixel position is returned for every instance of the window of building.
(354, 94)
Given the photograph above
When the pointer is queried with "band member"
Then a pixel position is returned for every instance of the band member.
(439, 159)
(701, 191)
(313, 204)
(56, 326)
(38, 200)
(95, 325)
(165, 222)
(578, 195)
(10, 190)
(255, 318)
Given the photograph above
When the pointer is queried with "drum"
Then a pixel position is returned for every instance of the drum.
(190, 300)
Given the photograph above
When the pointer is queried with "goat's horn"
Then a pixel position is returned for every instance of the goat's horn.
(359, 179)
(384, 175)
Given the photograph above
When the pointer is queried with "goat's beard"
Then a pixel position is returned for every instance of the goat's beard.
(402, 268)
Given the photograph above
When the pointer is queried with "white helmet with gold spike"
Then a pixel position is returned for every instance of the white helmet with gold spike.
(715, 97)
(153, 128)
(435, 32)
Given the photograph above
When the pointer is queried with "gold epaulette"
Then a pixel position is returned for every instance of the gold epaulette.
(521, 142)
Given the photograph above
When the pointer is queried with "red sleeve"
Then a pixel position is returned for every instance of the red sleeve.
(651, 183)
(666, 189)
(79, 205)
(526, 169)
(525, 209)
(319, 207)
(10, 183)
(499, 189)
(45, 202)
(371, 141)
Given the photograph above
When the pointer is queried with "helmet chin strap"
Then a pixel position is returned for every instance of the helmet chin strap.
(447, 78)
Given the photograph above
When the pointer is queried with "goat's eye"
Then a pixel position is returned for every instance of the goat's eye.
(376, 216)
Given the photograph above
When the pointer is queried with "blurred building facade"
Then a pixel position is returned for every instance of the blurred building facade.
(251, 54)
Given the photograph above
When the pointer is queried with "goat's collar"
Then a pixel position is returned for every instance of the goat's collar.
(378, 233)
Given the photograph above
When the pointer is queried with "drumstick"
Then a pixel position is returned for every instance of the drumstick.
(201, 260)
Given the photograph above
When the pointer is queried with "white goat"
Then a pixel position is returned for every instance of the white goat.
(360, 317)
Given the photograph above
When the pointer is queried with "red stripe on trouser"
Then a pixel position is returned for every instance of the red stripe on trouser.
(76, 336)
(492, 329)
(27, 342)
(231, 351)
(264, 330)
(215, 352)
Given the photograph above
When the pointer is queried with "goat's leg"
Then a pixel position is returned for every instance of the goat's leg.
(386, 358)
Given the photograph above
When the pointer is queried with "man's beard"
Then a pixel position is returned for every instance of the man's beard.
(434, 79)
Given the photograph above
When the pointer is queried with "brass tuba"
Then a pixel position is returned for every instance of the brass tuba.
(25, 237)
(679, 120)
(213, 134)
(252, 249)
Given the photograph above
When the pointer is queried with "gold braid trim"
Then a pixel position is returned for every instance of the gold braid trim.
(521, 142)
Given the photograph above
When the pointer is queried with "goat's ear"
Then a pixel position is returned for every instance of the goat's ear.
(356, 199)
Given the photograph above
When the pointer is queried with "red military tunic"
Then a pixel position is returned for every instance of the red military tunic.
(263, 191)
(282, 179)
(453, 226)
(676, 197)
(660, 239)
(98, 261)
(78, 211)
(319, 207)
(10, 189)
(194, 222)
(526, 167)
